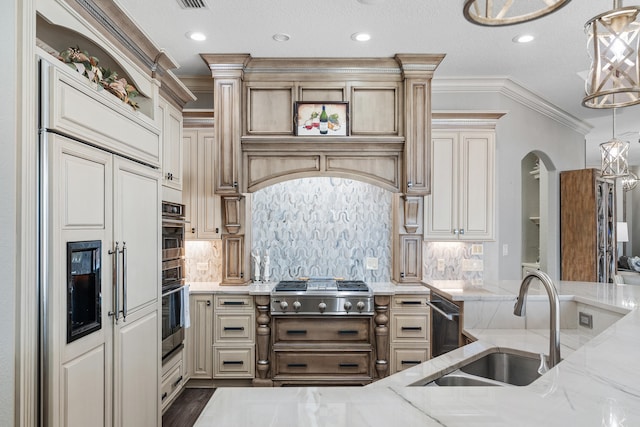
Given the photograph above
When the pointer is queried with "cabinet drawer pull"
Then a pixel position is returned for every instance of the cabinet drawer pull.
(178, 381)
(348, 365)
(164, 395)
(411, 362)
(296, 331)
(233, 303)
(348, 332)
(411, 328)
(234, 328)
(410, 302)
(233, 362)
(296, 365)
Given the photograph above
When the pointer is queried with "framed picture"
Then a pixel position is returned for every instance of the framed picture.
(309, 119)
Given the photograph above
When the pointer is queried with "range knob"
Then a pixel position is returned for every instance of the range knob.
(360, 305)
(322, 307)
(347, 305)
(296, 305)
(284, 305)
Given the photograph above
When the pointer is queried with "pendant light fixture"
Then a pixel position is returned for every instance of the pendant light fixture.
(614, 155)
(497, 13)
(629, 182)
(613, 41)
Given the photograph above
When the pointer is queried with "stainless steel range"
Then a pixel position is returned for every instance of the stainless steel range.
(322, 296)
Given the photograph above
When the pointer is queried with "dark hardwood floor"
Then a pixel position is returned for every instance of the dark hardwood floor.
(186, 409)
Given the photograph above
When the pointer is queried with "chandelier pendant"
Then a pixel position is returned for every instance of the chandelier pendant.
(497, 13)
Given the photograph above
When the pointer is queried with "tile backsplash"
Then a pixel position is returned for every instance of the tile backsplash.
(452, 256)
(203, 259)
(323, 227)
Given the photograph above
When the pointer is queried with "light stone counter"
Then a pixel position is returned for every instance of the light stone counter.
(596, 384)
(378, 288)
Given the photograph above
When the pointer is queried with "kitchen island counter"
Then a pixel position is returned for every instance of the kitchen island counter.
(378, 288)
(597, 384)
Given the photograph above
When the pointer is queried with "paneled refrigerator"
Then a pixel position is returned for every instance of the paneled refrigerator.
(100, 263)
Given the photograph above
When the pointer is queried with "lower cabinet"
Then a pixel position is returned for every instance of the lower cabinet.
(234, 337)
(173, 379)
(200, 337)
(409, 326)
(322, 350)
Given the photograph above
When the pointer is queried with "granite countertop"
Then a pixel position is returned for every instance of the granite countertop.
(596, 384)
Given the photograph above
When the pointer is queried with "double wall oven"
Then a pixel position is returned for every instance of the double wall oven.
(173, 277)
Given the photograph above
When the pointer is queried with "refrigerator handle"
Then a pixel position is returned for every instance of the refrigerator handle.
(124, 281)
(116, 276)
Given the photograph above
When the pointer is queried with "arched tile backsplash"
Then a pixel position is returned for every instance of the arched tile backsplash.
(322, 227)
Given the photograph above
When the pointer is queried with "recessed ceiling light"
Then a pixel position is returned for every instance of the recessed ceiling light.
(196, 35)
(361, 37)
(281, 37)
(523, 38)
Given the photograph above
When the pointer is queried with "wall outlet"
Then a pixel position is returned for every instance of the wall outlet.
(472, 265)
(371, 263)
(477, 249)
(505, 249)
(440, 265)
(202, 266)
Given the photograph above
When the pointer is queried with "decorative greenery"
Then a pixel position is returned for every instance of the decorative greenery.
(87, 66)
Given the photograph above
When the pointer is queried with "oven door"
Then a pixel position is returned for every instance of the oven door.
(172, 273)
(172, 320)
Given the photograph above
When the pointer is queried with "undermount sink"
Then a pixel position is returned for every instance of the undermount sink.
(498, 368)
(507, 368)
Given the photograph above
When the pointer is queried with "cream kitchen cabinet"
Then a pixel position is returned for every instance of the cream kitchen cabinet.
(409, 326)
(234, 337)
(173, 379)
(461, 204)
(200, 337)
(172, 153)
(202, 205)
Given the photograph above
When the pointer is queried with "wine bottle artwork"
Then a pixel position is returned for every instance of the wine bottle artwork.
(323, 119)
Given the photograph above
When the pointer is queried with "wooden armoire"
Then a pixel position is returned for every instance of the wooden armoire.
(587, 224)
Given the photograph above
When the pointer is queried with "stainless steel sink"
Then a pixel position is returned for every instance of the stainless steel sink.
(455, 379)
(498, 368)
(508, 368)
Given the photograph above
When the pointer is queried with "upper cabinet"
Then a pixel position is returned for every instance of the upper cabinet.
(461, 204)
(171, 119)
(387, 124)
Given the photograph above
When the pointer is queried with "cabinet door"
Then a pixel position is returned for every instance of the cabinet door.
(410, 258)
(136, 213)
(233, 259)
(200, 337)
(209, 210)
(475, 218)
(171, 146)
(442, 205)
(190, 182)
(227, 104)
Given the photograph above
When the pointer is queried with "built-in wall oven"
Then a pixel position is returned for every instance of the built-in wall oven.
(173, 278)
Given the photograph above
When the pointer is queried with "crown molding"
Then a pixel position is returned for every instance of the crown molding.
(512, 90)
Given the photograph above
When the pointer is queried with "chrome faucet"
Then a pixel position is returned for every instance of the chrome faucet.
(554, 321)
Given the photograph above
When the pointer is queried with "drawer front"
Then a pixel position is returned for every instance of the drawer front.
(340, 363)
(403, 358)
(410, 327)
(233, 362)
(234, 328)
(233, 302)
(171, 382)
(353, 330)
(410, 302)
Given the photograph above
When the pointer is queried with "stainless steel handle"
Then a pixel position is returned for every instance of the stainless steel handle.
(178, 289)
(462, 231)
(174, 221)
(116, 276)
(124, 281)
(449, 316)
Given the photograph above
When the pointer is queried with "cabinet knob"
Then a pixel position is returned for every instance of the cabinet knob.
(409, 184)
(455, 231)
(462, 231)
(208, 303)
(235, 184)
(193, 230)
(402, 275)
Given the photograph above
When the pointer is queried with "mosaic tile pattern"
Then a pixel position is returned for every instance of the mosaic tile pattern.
(323, 227)
(203, 259)
(452, 253)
